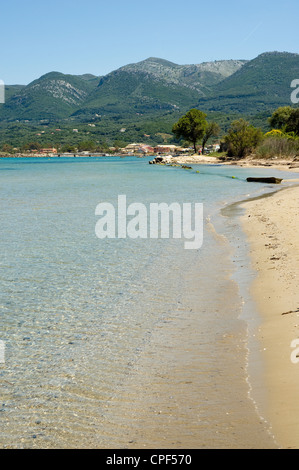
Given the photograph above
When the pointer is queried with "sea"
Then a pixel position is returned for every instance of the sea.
(119, 343)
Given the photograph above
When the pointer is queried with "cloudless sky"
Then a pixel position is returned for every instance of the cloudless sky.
(98, 36)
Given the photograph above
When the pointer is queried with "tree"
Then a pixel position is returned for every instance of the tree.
(242, 138)
(280, 117)
(286, 119)
(7, 148)
(119, 144)
(68, 148)
(212, 130)
(292, 124)
(32, 146)
(191, 126)
(86, 145)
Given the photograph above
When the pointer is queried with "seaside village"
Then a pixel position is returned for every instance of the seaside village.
(168, 149)
(136, 149)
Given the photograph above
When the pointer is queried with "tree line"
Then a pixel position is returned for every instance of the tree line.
(243, 138)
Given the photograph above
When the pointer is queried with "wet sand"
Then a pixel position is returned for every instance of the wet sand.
(272, 227)
(189, 387)
(176, 399)
(166, 398)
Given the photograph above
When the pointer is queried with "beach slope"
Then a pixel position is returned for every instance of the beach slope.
(271, 224)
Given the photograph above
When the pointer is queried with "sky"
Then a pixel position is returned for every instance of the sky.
(99, 36)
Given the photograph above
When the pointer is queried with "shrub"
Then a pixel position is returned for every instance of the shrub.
(275, 145)
(242, 139)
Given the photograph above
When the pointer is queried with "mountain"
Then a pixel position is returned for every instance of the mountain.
(154, 86)
(197, 77)
(156, 89)
(151, 86)
(11, 90)
(261, 85)
(52, 96)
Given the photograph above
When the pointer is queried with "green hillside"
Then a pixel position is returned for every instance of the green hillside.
(53, 96)
(11, 90)
(261, 85)
(142, 101)
(131, 93)
(153, 87)
(196, 76)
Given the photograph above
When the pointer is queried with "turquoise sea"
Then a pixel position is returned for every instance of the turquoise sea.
(98, 333)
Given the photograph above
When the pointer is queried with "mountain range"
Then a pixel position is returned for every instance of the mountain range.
(155, 88)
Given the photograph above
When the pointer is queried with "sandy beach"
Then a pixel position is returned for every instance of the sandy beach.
(187, 386)
(278, 163)
(272, 227)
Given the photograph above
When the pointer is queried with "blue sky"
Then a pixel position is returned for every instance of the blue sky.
(97, 36)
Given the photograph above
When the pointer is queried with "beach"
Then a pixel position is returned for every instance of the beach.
(279, 163)
(155, 354)
(271, 225)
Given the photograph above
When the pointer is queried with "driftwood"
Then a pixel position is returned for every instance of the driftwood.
(291, 311)
(269, 179)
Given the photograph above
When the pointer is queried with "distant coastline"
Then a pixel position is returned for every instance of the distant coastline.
(279, 163)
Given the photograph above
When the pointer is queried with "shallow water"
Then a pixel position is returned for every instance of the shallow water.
(119, 342)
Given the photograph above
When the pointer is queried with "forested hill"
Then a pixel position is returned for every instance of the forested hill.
(53, 96)
(156, 89)
(151, 86)
(262, 84)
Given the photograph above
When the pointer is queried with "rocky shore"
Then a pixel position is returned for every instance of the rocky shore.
(251, 161)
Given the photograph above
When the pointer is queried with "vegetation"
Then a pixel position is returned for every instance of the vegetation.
(212, 130)
(277, 143)
(191, 127)
(286, 119)
(54, 96)
(280, 117)
(242, 138)
(278, 147)
(142, 103)
(260, 86)
(105, 133)
(281, 141)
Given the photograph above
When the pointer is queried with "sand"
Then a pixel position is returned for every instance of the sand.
(271, 224)
(279, 163)
(272, 227)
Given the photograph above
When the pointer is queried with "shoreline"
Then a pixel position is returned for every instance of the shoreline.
(278, 163)
(285, 164)
(270, 225)
(195, 404)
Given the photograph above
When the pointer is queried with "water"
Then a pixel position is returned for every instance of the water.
(120, 343)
